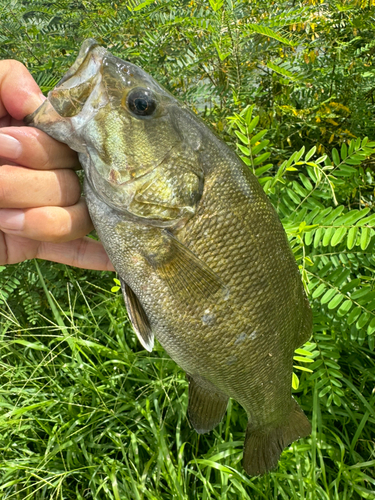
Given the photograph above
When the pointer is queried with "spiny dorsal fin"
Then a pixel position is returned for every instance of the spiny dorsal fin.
(138, 317)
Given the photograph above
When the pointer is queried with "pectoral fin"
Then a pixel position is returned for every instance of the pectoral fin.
(185, 274)
(138, 317)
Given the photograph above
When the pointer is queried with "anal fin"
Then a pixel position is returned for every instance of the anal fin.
(263, 446)
(206, 407)
(138, 317)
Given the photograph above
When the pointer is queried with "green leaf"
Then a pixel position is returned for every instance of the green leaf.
(293, 196)
(345, 308)
(332, 216)
(349, 286)
(363, 319)
(335, 156)
(344, 151)
(324, 391)
(261, 158)
(216, 4)
(362, 292)
(251, 126)
(354, 315)
(302, 352)
(351, 217)
(310, 153)
(342, 277)
(321, 215)
(299, 189)
(140, 6)
(318, 236)
(328, 296)
(338, 236)
(263, 30)
(306, 182)
(303, 368)
(303, 359)
(242, 137)
(318, 291)
(256, 149)
(336, 301)
(261, 170)
(336, 399)
(244, 149)
(365, 237)
(295, 381)
(281, 71)
(308, 237)
(345, 170)
(370, 220)
(371, 327)
(352, 237)
(258, 137)
(328, 236)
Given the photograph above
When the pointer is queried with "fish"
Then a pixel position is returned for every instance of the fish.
(204, 262)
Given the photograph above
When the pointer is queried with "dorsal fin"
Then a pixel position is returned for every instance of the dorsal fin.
(138, 317)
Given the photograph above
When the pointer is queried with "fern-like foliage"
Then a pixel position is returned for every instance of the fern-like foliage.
(332, 240)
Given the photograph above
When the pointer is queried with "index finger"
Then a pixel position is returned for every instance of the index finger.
(35, 149)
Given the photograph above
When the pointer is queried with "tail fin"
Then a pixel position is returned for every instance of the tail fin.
(263, 446)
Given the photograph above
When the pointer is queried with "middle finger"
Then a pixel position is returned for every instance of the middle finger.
(22, 187)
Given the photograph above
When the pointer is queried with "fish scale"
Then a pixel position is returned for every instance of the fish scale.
(204, 263)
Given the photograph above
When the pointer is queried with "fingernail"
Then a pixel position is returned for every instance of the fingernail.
(9, 147)
(12, 219)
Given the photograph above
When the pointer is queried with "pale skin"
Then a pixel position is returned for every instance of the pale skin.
(42, 214)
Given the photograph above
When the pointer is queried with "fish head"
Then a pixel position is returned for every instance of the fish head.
(138, 146)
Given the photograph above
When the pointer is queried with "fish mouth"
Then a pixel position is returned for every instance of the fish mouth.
(80, 82)
(75, 88)
(87, 47)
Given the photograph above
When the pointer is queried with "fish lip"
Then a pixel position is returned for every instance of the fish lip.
(86, 49)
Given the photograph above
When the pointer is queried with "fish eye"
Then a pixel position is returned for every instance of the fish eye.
(141, 102)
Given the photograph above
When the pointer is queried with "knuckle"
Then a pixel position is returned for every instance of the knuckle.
(5, 185)
(70, 187)
(58, 225)
(3, 250)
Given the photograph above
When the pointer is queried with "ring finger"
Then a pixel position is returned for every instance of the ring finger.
(54, 224)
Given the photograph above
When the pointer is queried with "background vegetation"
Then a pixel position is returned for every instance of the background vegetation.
(85, 413)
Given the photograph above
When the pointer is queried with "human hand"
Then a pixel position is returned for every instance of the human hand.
(42, 214)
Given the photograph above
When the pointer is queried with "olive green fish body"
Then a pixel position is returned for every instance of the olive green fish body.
(204, 262)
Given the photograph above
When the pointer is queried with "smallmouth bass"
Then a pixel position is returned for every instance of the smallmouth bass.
(204, 262)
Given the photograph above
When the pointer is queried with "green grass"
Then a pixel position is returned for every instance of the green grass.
(86, 413)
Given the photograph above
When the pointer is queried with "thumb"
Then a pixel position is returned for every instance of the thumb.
(19, 93)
